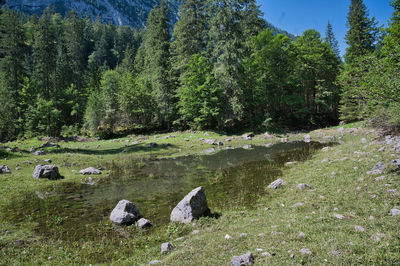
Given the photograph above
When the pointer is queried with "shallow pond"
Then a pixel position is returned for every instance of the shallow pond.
(232, 179)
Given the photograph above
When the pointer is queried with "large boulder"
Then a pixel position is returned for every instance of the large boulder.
(90, 171)
(4, 169)
(193, 206)
(125, 213)
(46, 171)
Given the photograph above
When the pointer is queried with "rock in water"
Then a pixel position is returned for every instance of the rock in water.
(276, 184)
(47, 171)
(125, 213)
(191, 207)
(4, 169)
(90, 171)
(245, 259)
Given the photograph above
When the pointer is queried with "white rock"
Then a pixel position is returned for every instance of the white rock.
(276, 184)
(338, 216)
(394, 212)
(227, 237)
(305, 251)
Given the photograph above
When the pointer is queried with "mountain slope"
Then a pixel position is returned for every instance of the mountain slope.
(120, 12)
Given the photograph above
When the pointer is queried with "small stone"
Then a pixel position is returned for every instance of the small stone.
(28, 162)
(154, 262)
(338, 216)
(143, 223)
(325, 160)
(304, 186)
(377, 169)
(38, 153)
(243, 235)
(284, 140)
(307, 138)
(276, 184)
(371, 217)
(380, 178)
(196, 232)
(301, 235)
(152, 144)
(266, 254)
(208, 151)
(305, 251)
(289, 163)
(90, 171)
(395, 212)
(359, 228)
(363, 140)
(325, 149)
(220, 143)
(227, 237)
(210, 141)
(298, 204)
(247, 147)
(259, 250)
(245, 259)
(166, 248)
(378, 237)
(382, 149)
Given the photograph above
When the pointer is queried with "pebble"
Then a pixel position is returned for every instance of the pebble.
(301, 235)
(359, 228)
(165, 248)
(338, 216)
(266, 254)
(395, 212)
(380, 178)
(242, 235)
(305, 251)
(227, 237)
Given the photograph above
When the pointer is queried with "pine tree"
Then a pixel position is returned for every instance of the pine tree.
(188, 36)
(331, 40)
(156, 62)
(226, 47)
(13, 52)
(360, 37)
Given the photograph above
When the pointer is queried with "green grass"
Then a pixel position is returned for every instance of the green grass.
(272, 225)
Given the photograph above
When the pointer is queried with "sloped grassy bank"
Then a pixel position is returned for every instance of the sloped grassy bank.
(367, 234)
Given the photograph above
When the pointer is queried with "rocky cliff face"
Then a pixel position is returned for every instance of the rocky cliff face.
(121, 12)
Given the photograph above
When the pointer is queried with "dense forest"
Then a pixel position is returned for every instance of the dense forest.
(219, 68)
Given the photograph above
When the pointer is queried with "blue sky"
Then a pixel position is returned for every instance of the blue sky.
(296, 16)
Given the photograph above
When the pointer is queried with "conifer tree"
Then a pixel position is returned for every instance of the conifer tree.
(362, 31)
(331, 40)
(156, 62)
(188, 36)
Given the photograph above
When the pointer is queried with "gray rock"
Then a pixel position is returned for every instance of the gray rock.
(47, 171)
(307, 138)
(245, 259)
(40, 152)
(47, 160)
(380, 178)
(247, 147)
(338, 216)
(32, 149)
(125, 213)
(377, 169)
(154, 262)
(382, 149)
(186, 139)
(395, 212)
(227, 237)
(363, 140)
(192, 206)
(359, 228)
(143, 223)
(301, 235)
(284, 140)
(228, 139)
(4, 169)
(305, 251)
(276, 184)
(209, 141)
(220, 143)
(298, 204)
(90, 171)
(165, 248)
(195, 232)
(266, 254)
(304, 186)
(28, 162)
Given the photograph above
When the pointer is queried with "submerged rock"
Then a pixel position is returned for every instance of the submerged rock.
(4, 169)
(125, 213)
(90, 171)
(192, 206)
(276, 184)
(47, 171)
(245, 259)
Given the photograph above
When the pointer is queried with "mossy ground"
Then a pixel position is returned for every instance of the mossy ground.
(340, 186)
